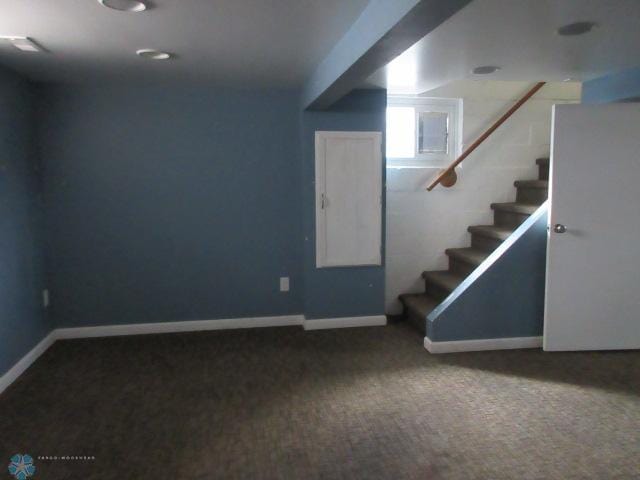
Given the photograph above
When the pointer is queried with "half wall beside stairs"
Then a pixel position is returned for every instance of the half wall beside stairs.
(504, 296)
(492, 295)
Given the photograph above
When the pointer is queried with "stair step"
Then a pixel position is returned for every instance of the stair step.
(511, 214)
(439, 284)
(417, 307)
(471, 255)
(532, 192)
(419, 302)
(463, 261)
(488, 237)
(542, 184)
(515, 207)
(491, 231)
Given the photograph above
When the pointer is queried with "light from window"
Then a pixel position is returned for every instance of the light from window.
(401, 132)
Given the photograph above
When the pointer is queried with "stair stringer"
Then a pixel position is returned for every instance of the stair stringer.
(504, 296)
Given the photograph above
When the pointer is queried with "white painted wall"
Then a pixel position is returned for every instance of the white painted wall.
(421, 224)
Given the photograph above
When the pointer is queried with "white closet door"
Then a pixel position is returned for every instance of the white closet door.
(348, 198)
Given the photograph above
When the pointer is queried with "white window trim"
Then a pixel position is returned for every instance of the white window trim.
(427, 160)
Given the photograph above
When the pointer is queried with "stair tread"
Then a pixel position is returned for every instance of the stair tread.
(471, 255)
(491, 231)
(532, 183)
(542, 161)
(515, 207)
(419, 303)
(444, 279)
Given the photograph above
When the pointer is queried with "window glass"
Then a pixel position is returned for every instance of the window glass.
(433, 132)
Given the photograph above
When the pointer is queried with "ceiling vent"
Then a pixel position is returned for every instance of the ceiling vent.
(153, 54)
(485, 70)
(576, 28)
(124, 5)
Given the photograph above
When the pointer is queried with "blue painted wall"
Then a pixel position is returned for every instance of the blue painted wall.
(339, 292)
(504, 297)
(168, 204)
(23, 322)
(617, 87)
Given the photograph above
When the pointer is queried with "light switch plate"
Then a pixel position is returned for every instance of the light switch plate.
(284, 284)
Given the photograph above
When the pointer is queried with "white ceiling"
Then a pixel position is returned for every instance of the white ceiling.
(265, 43)
(519, 36)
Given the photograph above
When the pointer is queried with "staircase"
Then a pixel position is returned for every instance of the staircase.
(484, 239)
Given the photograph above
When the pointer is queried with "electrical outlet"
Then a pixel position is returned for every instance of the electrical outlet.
(45, 298)
(284, 284)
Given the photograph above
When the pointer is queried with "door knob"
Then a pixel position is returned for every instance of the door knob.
(559, 228)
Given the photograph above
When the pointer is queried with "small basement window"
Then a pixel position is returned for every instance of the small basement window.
(422, 132)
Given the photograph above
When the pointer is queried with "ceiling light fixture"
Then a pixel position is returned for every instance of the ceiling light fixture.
(23, 43)
(153, 54)
(576, 28)
(124, 5)
(485, 70)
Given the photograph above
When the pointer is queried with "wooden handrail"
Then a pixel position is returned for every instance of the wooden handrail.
(450, 170)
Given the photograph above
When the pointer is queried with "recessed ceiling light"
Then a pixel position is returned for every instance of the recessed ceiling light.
(576, 28)
(153, 54)
(23, 43)
(124, 5)
(485, 70)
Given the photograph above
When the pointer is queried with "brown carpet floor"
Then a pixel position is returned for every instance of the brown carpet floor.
(281, 403)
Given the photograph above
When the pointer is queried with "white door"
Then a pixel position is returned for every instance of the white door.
(593, 256)
(348, 198)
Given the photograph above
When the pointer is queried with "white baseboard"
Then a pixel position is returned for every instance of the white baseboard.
(176, 327)
(25, 362)
(345, 322)
(480, 345)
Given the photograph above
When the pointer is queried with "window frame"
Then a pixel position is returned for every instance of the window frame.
(451, 106)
